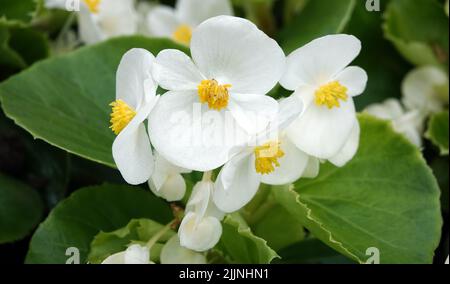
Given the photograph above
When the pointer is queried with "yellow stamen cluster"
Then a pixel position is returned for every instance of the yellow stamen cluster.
(267, 157)
(93, 5)
(183, 34)
(330, 94)
(209, 91)
(121, 115)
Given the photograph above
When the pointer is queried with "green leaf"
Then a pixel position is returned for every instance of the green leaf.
(137, 231)
(419, 30)
(386, 197)
(438, 131)
(65, 100)
(21, 209)
(240, 245)
(318, 18)
(14, 12)
(77, 220)
(8, 57)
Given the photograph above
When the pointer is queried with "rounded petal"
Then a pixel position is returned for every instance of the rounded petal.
(253, 112)
(199, 236)
(292, 165)
(350, 148)
(134, 78)
(194, 12)
(137, 254)
(420, 89)
(234, 51)
(88, 28)
(312, 168)
(200, 198)
(237, 183)
(132, 151)
(117, 18)
(322, 132)
(390, 109)
(173, 189)
(320, 60)
(162, 21)
(174, 253)
(410, 125)
(117, 258)
(187, 134)
(175, 71)
(354, 79)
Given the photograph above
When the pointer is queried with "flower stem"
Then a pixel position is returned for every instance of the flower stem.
(159, 234)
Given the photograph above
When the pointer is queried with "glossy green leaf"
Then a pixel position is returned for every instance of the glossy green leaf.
(21, 209)
(386, 198)
(65, 100)
(137, 231)
(438, 131)
(318, 18)
(239, 245)
(78, 219)
(419, 30)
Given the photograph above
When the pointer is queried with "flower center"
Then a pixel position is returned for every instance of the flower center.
(330, 94)
(121, 115)
(267, 157)
(214, 94)
(183, 34)
(93, 5)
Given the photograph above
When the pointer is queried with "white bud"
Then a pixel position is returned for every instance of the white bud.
(174, 253)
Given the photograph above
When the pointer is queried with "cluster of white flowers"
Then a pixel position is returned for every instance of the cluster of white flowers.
(217, 113)
(424, 92)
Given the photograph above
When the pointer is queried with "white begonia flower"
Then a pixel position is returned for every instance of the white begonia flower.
(167, 181)
(274, 160)
(179, 23)
(135, 99)
(426, 89)
(319, 75)
(234, 65)
(408, 123)
(101, 19)
(174, 253)
(200, 229)
(134, 254)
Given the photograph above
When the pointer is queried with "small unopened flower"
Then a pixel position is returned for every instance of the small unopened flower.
(134, 254)
(319, 75)
(234, 65)
(276, 161)
(408, 123)
(167, 181)
(135, 99)
(174, 253)
(425, 89)
(200, 229)
(179, 23)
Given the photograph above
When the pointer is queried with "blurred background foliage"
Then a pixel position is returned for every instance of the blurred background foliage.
(35, 176)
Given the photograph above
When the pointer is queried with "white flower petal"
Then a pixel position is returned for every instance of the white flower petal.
(194, 12)
(137, 254)
(322, 132)
(117, 258)
(88, 28)
(420, 89)
(200, 198)
(234, 51)
(318, 61)
(390, 109)
(199, 236)
(173, 189)
(175, 71)
(132, 151)
(354, 79)
(350, 148)
(174, 253)
(162, 21)
(312, 168)
(187, 134)
(134, 84)
(292, 165)
(253, 112)
(411, 125)
(237, 183)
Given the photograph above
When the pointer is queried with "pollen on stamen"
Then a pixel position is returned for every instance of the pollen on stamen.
(217, 96)
(183, 34)
(267, 157)
(330, 94)
(121, 115)
(93, 5)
